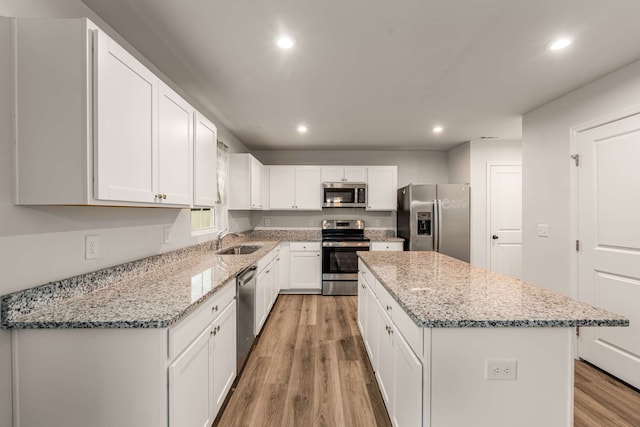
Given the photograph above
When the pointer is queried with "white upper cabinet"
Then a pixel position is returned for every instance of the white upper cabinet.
(382, 187)
(175, 147)
(344, 174)
(245, 182)
(95, 126)
(205, 147)
(126, 125)
(295, 187)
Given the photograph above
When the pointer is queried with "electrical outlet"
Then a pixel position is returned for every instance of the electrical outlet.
(377, 223)
(311, 222)
(267, 222)
(167, 234)
(91, 247)
(506, 369)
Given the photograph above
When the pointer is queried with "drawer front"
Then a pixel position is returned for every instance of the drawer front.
(386, 246)
(186, 330)
(305, 246)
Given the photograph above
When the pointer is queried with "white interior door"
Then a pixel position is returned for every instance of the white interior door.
(609, 258)
(504, 187)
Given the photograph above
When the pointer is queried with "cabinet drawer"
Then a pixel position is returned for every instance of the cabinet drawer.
(386, 246)
(186, 330)
(405, 325)
(305, 246)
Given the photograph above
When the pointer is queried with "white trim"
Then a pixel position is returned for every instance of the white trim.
(15, 385)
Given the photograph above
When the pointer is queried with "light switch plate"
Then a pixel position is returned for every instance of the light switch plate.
(543, 230)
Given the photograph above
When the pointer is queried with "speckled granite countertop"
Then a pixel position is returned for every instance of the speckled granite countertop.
(153, 292)
(438, 291)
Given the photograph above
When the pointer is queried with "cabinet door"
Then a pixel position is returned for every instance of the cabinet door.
(332, 174)
(205, 161)
(362, 310)
(406, 394)
(305, 270)
(308, 188)
(382, 188)
(262, 289)
(384, 366)
(189, 385)
(355, 174)
(282, 187)
(371, 327)
(256, 184)
(126, 117)
(175, 141)
(223, 344)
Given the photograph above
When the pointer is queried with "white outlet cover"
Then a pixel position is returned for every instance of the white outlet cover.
(91, 247)
(542, 230)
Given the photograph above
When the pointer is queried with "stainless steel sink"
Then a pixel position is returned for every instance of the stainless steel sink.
(239, 250)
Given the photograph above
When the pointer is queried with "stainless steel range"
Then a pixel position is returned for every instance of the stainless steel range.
(341, 239)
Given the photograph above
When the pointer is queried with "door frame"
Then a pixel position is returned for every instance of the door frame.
(574, 290)
(487, 236)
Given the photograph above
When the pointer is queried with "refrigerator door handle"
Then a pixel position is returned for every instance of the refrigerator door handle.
(436, 223)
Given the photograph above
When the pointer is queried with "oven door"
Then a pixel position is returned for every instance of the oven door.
(340, 267)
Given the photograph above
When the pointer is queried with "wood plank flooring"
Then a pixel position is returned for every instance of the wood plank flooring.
(309, 368)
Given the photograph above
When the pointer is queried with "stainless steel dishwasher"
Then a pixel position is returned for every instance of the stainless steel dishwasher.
(246, 283)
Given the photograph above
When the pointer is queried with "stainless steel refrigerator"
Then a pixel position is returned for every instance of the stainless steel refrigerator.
(435, 217)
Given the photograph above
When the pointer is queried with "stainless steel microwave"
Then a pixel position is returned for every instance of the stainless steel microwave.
(344, 195)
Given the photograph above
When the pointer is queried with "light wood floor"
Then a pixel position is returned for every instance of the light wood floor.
(309, 368)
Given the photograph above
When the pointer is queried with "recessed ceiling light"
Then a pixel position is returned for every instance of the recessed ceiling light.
(438, 129)
(302, 129)
(284, 42)
(560, 44)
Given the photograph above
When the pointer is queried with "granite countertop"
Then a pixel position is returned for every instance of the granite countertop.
(144, 296)
(438, 291)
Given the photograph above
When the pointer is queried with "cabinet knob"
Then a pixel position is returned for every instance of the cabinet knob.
(164, 196)
(388, 307)
(214, 308)
(495, 237)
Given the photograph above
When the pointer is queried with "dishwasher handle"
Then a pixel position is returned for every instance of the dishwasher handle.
(247, 275)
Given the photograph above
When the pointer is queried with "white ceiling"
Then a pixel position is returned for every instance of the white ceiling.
(376, 74)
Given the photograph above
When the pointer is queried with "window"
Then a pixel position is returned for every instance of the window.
(203, 221)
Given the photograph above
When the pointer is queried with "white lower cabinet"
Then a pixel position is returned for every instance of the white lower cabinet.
(305, 266)
(398, 370)
(267, 287)
(144, 377)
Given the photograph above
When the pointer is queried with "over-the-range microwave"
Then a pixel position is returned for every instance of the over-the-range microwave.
(344, 195)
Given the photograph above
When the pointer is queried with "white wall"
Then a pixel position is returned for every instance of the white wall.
(414, 166)
(547, 167)
(459, 164)
(40, 244)
(483, 151)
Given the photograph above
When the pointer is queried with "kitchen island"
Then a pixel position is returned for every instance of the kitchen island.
(456, 345)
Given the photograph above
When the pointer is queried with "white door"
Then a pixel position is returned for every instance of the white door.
(382, 188)
(308, 188)
(205, 158)
(282, 187)
(256, 184)
(126, 125)
(609, 258)
(174, 147)
(223, 354)
(504, 191)
(305, 270)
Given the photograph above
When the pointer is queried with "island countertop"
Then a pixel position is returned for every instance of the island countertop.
(438, 291)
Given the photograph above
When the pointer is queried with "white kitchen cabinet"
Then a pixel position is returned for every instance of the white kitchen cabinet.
(305, 266)
(95, 126)
(382, 187)
(387, 246)
(266, 287)
(344, 173)
(205, 160)
(406, 389)
(223, 356)
(189, 378)
(295, 187)
(175, 147)
(245, 182)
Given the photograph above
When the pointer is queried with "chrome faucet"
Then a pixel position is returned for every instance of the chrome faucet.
(224, 233)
